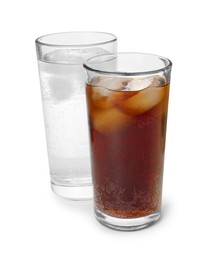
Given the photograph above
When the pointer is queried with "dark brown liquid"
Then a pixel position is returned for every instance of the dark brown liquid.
(127, 160)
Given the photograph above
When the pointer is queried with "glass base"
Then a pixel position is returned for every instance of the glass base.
(73, 192)
(129, 224)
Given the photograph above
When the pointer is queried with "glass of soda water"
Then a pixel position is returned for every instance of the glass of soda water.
(62, 79)
(127, 100)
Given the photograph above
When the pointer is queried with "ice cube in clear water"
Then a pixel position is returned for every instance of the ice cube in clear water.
(65, 75)
(64, 56)
(72, 56)
(61, 82)
(62, 88)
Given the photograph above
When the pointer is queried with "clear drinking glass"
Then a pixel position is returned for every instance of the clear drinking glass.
(62, 78)
(127, 100)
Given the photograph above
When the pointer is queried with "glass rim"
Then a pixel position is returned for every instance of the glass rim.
(125, 73)
(39, 39)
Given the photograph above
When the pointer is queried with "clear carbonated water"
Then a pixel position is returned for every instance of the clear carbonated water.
(64, 104)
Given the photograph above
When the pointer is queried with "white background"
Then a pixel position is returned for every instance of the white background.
(34, 223)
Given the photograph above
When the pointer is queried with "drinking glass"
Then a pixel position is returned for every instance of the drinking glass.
(127, 100)
(62, 79)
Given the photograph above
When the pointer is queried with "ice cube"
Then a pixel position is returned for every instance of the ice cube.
(139, 84)
(91, 52)
(62, 88)
(143, 101)
(94, 81)
(110, 83)
(64, 56)
(72, 56)
(103, 98)
(103, 94)
(158, 81)
(142, 83)
(110, 120)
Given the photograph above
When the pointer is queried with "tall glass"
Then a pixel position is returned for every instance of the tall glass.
(127, 99)
(62, 78)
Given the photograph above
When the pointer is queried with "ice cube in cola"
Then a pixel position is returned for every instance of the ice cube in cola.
(127, 121)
